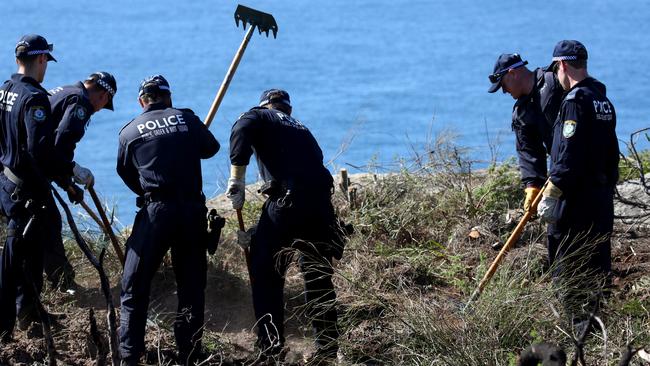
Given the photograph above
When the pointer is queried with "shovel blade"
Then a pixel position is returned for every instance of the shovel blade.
(255, 18)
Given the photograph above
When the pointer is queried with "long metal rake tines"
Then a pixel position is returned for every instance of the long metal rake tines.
(263, 21)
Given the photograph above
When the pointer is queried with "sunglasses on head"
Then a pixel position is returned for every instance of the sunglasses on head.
(496, 77)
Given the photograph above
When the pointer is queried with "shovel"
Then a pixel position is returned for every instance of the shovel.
(264, 22)
(514, 236)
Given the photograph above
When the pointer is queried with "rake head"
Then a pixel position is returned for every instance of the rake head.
(263, 21)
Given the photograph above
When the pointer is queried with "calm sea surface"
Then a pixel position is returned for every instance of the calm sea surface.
(383, 73)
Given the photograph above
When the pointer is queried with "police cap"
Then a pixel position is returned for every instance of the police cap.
(275, 96)
(107, 82)
(505, 62)
(568, 50)
(33, 44)
(155, 84)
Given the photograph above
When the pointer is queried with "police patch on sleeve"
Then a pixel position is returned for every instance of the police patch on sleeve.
(80, 112)
(569, 128)
(38, 113)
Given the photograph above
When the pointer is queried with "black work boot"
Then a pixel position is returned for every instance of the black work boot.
(190, 359)
(25, 321)
(322, 357)
(269, 354)
(5, 338)
(130, 361)
(65, 282)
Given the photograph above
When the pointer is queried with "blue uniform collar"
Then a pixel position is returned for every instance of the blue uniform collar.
(583, 82)
(83, 89)
(26, 79)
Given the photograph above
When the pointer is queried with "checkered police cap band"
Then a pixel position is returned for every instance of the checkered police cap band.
(513, 66)
(37, 52)
(274, 100)
(105, 85)
(145, 88)
(565, 58)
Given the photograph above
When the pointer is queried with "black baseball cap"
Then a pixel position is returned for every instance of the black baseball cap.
(33, 44)
(154, 84)
(505, 62)
(107, 82)
(275, 96)
(568, 50)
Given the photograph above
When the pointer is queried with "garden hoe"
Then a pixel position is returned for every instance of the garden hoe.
(264, 22)
(514, 236)
(256, 19)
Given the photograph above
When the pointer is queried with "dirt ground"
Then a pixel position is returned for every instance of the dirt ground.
(229, 321)
(229, 325)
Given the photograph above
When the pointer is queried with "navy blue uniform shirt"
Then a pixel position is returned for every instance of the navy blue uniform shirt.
(26, 143)
(533, 117)
(585, 147)
(286, 151)
(71, 111)
(161, 150)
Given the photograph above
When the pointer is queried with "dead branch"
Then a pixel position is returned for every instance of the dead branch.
(105, 285)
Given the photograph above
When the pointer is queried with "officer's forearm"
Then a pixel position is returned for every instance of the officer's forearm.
(238, 172)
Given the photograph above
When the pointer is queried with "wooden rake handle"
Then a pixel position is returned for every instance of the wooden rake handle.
(213, 111)
(512, 239)
(228, 78)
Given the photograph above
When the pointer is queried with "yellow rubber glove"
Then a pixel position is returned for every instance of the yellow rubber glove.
(531, 193)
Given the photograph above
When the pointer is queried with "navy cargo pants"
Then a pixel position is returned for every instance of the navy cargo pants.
(579, 248)
(159, 226)
(303, 223)
(56, 265)
(21, 261)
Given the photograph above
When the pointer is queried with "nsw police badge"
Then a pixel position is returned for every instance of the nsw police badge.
(569, 128)
(80, 112)
(38, 113)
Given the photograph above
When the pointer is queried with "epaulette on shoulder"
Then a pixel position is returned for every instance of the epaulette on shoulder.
(253, 112)
(186, 110)
(257, 109)
(574, 94)
(37, 94)
(123, 127)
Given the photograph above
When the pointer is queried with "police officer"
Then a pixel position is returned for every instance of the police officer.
(29, 162)
(159, 158)
(538, 97)
(298, 213)
(72, 107)
(578, 203)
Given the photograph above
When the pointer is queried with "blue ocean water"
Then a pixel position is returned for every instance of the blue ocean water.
(380, 72)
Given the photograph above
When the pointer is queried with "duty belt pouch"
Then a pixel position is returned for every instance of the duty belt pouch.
(139, 202)
(271, 189)
(35, 210)
(215, 224)
(341, 233)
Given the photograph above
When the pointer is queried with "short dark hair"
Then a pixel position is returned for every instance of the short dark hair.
(280, 107)
(25, 59)
(151, 98)
(577, 64)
